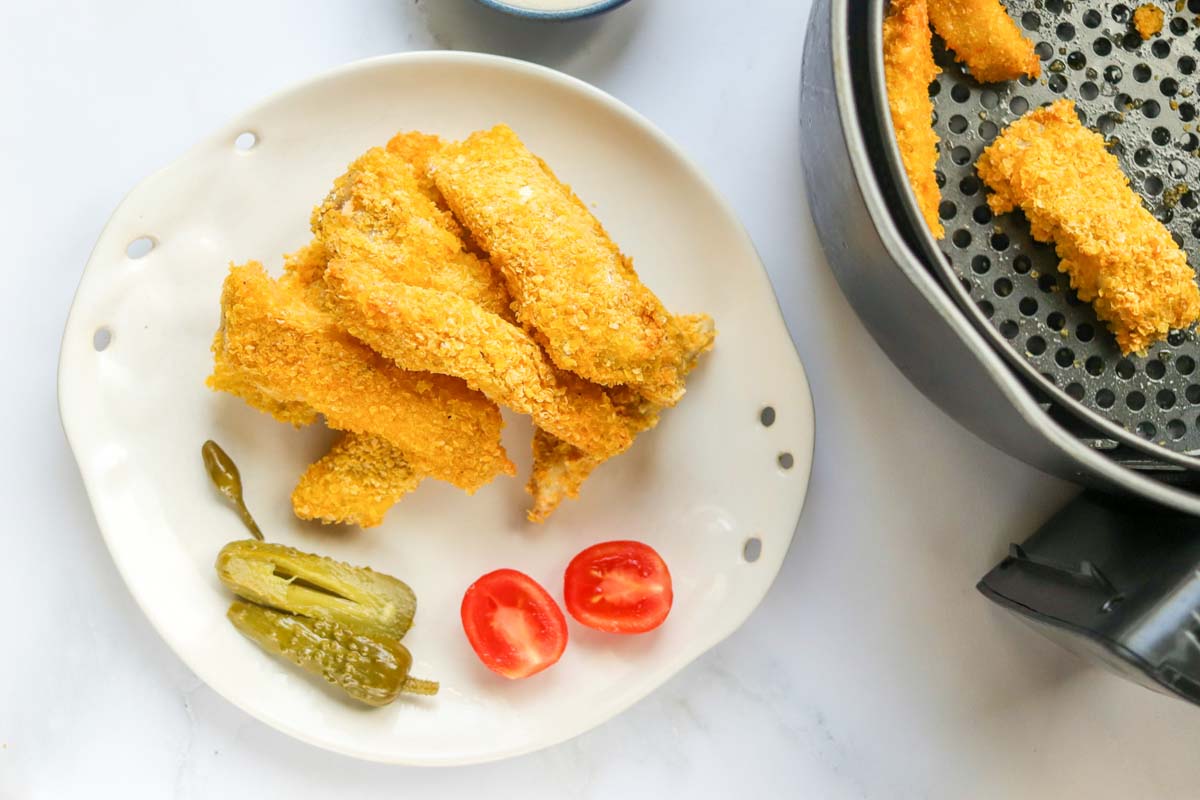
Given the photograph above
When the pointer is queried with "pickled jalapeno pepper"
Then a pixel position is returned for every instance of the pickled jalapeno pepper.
(225, 476)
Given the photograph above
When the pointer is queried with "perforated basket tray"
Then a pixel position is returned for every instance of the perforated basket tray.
(1140, 96)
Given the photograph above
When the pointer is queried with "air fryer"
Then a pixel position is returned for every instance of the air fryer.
(983, 323)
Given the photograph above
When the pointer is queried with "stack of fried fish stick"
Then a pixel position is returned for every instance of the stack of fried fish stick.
(399, 269)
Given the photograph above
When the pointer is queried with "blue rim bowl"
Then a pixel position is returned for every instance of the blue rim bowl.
(590, 10)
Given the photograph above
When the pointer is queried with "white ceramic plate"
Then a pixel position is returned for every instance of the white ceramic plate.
(698, 488)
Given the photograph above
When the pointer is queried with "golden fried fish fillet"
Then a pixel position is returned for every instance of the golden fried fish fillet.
(292, 351)
(569, 283)
(424, 329)
(908, 68)
(305, 269)
(559, 469)
(362, 475)
(417, 149)
(355, 483)
(378, 212)
(985, 38)
(333, 490)
(374, 209)
(1072, 190)
(226, 378)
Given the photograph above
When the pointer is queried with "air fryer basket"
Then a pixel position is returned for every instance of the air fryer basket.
(1140, 95)
(872, 250)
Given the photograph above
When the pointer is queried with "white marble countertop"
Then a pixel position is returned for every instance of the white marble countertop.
(873, 668)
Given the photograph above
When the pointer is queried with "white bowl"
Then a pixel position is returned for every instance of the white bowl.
(553, 10)
(698, 488)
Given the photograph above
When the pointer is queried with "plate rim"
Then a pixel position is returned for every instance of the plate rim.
(802, 405)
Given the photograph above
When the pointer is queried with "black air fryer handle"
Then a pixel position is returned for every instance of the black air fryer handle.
(1116, 581)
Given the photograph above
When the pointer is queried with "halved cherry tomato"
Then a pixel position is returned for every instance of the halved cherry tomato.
(618, 587)
(513, 623)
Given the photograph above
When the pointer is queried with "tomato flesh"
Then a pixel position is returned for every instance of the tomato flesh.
(618, 587)
(513, 624)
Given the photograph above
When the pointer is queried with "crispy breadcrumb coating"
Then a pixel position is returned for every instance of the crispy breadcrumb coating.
(1072, 190)
(305, 268)
(1148, 20)
(362, 475)
(292, 351)
(377, 212)
(355, 483)
(387, 212)
(985, 38)
(568, 281)
(424, 329)
(908, 68)
(559, 469)
(333, 489)
(226, 378)
(417, 149)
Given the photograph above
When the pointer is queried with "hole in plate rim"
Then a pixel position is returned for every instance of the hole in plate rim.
(766, 416)
(752, 549)
(102, 338)
(140, 246)
(246, 141)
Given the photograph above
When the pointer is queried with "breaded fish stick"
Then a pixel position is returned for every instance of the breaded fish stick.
(305, 269)
(355, 483)
(985, 38)
(378, 212)
(417, 149)
(364, 475)
(567, 280)
(908, 68)
(1072, 190)
(226, 378)
(294, 352)
(424, 329)
(559, 469)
